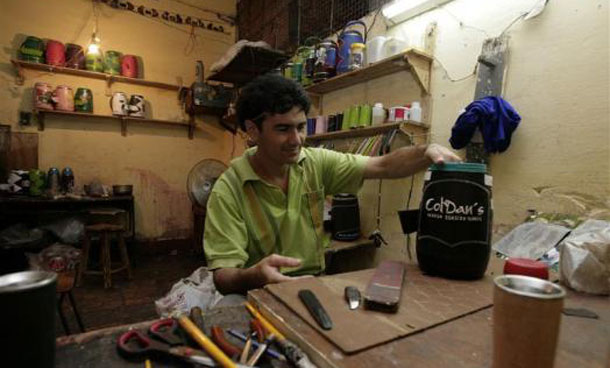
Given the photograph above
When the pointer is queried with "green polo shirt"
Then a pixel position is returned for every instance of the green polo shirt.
(248, 219)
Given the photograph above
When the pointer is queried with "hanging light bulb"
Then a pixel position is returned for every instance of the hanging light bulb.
(94, 58)
(94, 45)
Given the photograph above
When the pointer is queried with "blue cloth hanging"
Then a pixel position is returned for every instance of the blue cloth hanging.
(495, 118)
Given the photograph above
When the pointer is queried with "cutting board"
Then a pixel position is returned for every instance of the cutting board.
(425, 302)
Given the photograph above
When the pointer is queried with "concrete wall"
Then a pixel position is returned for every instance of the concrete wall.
(155, 159)
(557, 79)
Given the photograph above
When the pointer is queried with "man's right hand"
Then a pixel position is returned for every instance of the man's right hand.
(266, 271)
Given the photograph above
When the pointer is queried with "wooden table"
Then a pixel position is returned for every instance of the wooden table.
(33, 209)
(462, 342)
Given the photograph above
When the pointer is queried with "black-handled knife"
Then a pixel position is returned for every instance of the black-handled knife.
(315, 308)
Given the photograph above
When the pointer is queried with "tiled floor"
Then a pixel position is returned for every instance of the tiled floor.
(129, 301)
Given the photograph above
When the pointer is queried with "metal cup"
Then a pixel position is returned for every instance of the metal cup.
(526, 320)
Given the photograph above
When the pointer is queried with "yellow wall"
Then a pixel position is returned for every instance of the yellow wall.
(557, 79)
(155, 159)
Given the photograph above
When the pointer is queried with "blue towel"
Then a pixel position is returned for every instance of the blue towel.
(496, 119)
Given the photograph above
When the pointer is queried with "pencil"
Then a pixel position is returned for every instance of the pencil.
(265, 323)
(205, 342)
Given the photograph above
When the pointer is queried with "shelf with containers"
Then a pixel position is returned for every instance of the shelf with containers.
(42, 115)
(416, 62)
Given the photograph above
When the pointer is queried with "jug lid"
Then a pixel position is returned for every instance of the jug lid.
(470, 167)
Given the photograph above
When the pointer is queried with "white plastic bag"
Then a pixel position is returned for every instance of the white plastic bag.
(197, 290)
(585, 258)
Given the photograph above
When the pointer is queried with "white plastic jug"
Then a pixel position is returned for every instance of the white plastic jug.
(375, 49)
(393, 46)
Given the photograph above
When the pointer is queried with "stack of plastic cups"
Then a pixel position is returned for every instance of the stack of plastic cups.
(364, 118)
(321, 124)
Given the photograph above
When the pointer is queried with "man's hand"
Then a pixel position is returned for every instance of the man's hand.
(266, 271)
(407, 161)
(439, 154)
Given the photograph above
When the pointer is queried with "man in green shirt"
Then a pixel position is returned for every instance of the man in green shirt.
(264, 216)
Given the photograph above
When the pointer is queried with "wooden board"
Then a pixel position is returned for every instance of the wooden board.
(426, 302)
(465, 342)
(24, 151)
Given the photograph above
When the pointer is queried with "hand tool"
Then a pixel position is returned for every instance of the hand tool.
(135, 345)
(383, 290)
(166, 330)
(315, 308)
(197, 317)
(260, 350)
(218, 337)
(257, 328)
(270, 352)
(205, 342)
(352, 296)
(292, 352)
(243, 358)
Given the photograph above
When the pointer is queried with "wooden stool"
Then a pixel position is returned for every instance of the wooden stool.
(104, 231)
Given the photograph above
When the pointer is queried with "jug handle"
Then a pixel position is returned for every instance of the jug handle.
(356, 22)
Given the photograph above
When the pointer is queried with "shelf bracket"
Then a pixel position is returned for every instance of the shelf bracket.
(123, 127)
(20, 78)
(421, 68)
(191, 127)
(40, 118)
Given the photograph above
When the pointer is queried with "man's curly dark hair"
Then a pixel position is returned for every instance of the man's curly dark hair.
(269, 94)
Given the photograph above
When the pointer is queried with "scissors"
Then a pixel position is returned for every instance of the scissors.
(135, 345)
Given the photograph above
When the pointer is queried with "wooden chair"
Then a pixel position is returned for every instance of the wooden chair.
(105, 232)
(65, 284)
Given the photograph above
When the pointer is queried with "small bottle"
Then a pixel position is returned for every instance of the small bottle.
(416, 112)
(378, 114)
(356, 56)
(67, 181)
(53, 181)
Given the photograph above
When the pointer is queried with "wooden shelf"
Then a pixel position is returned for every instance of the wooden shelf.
(89, 74)
(410, 127)
(123, 119)
(417, 61)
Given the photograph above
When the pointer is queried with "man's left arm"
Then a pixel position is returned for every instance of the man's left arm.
(407, 161)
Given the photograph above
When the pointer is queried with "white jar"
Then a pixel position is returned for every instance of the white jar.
(378, 114)
(415, 112)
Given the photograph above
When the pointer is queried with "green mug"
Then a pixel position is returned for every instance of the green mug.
(112, 62)
(94, 61)
(83, 100)
(32, 50)
(364, 119)
(345, 122)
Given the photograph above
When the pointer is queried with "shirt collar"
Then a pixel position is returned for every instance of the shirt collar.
(245, 171)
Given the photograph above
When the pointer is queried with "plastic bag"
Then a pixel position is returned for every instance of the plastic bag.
(530, 240)
(197, 290)
(585, 258)
(68, 230)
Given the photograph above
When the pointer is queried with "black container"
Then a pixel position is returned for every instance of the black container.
(27, 304)
(454, 221)
(345, 217)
